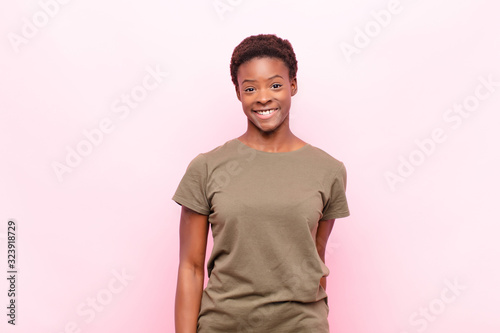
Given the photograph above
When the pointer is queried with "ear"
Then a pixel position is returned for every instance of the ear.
(238, 93)
(294, 86)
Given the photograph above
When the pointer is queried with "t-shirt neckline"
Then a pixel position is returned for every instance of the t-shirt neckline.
(272, 153)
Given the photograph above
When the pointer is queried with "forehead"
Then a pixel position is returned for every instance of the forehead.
(262, 67)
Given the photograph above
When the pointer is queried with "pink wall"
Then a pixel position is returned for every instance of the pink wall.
(405, 93)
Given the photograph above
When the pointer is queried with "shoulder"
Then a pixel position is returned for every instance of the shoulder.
(217, 155)
(324, 158)
(220, 150)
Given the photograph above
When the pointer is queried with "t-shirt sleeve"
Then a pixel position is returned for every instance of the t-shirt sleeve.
(336, 205)
(191, 191)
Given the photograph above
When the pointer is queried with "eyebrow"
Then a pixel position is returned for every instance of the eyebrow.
(272, 77)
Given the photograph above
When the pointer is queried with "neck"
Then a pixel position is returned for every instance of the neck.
(281, 139)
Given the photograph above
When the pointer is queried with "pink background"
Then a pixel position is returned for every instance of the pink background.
(393, 262)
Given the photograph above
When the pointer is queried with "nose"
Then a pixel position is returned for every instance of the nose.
(263, 96)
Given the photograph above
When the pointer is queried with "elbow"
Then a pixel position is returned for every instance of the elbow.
(192, 268)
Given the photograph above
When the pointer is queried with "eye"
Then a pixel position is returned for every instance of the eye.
(249, 89)
(276, 85)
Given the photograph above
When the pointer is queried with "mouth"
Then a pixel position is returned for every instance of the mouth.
(265, 113)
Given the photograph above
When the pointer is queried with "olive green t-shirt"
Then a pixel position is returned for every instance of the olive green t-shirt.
(263, 208)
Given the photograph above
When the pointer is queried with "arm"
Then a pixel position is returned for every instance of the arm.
(193, 234)
(322, 234)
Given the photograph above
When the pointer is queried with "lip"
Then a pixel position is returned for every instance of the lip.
(266, 116)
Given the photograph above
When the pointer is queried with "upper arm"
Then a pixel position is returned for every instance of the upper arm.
(193, 233)
(324, 229)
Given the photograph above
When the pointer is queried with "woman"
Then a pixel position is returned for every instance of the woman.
(271, 200)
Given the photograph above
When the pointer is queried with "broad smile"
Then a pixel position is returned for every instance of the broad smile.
(265, 113)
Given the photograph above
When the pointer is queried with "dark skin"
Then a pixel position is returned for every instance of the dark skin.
(263, 84)
(193, 233)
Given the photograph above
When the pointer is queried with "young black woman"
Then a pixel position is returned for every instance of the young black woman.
(271, 200)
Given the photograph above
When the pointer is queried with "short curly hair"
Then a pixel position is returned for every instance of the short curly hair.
(263, 45)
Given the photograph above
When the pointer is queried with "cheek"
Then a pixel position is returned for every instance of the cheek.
(285, 100)
(246, 101)
(247, 107)
(246, 104)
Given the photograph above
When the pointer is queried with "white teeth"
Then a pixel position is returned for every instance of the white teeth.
(266, 112)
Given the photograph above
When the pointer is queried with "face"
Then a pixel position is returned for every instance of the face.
(265, 91)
